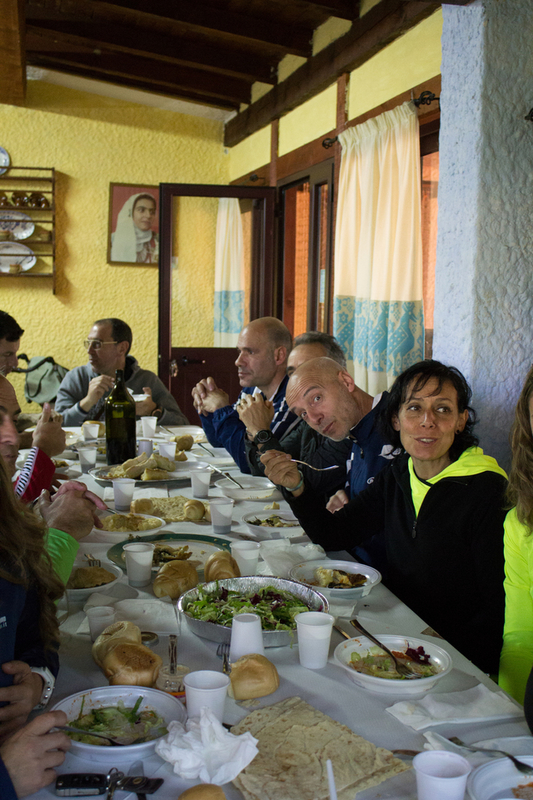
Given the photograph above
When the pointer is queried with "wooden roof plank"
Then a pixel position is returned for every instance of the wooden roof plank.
(13, 61)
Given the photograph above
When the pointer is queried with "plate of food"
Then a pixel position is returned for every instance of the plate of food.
(499, 780)
(118, 526)
(337, 580)
(15, 254)
(173, 509)
(174, 547)
(85, 580)
(152, 471)
(18, 223)
(253, 489)
(276, 525)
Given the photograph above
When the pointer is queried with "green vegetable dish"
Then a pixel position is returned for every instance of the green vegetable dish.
(275, 607)
(377, 663)
(126, 725)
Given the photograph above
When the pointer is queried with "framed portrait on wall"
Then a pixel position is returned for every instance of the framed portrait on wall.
(133, 228)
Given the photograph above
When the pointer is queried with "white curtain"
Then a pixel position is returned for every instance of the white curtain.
(378, 315)
(229, 274)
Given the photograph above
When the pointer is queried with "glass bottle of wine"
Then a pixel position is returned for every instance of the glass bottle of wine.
(120, 422)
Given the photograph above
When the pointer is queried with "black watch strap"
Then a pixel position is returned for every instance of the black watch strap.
(263, 437)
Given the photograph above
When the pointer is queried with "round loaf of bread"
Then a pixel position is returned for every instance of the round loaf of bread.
(252, 676)
(131, 664)
(221, 565)
(112, 635)
(142, 506)
(174, 578)
(194, 509)
(184, 442)
(204, 791)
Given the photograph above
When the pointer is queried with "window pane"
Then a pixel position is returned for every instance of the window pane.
(296, 257)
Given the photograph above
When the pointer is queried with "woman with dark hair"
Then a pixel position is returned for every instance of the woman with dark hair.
(439, 505)
(517, 653)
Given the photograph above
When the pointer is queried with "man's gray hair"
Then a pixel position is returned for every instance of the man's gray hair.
(328, 342)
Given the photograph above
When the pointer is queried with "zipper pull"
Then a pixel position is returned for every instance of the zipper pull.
(413, 530)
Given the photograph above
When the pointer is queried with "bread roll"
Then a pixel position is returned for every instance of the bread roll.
(163, 463)
(184, 442)
(194, 509)
(142, 506)
(128, 663)
(174, 578)
(180, 456)
(154, 475)
(135, 462)
(204, 791)
(221, 565)
(112, 635)
(252, 676)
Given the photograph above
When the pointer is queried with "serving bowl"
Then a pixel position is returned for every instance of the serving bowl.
(78, 595)
(305, 573)
(269, 532)
(260, 489)
(371, 683)
(219, 633)
(164, 704)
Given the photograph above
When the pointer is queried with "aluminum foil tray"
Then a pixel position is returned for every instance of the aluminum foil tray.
(219, 633)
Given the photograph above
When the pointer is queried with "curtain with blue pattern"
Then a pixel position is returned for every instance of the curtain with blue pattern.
(229, 274)
(378, 313)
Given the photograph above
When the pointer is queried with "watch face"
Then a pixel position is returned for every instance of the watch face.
(263, 436)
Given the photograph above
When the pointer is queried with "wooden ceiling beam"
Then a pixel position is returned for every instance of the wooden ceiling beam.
(147, 44)
(384, 23)
(13, 61)
(345, 9)
(167, 76)
(215, 22)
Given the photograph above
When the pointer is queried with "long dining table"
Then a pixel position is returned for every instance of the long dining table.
(330, 689)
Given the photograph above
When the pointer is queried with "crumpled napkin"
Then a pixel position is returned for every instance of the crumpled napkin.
(281, 556)
(437, 742)
(205, 749)
(434, 709)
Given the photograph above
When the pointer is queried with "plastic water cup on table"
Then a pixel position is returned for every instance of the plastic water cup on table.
(206, 688)
(440, 775)
(200, 480)
(100, 617)
(149, 424)
(87, 456)
(246, 554)
(139, 557)
(314, 635)
(123, 493)
(246, 636)
(90, 431)
(167, 450)
(145, 446)
(221, 514)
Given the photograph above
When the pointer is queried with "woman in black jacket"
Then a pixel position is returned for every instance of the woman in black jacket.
(439, 505)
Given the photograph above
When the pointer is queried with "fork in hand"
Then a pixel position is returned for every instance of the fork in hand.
(316, 469)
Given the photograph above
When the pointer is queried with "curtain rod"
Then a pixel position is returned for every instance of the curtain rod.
(425, 99)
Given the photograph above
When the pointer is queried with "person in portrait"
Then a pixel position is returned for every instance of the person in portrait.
(134, 241)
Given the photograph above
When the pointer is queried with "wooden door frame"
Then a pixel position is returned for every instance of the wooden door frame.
(263, 252)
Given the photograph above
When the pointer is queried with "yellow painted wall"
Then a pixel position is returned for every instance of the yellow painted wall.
(310, 120)
(250, 154)
(92, 141)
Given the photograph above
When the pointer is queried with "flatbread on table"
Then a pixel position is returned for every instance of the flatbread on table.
(171, 509)
(295, 740)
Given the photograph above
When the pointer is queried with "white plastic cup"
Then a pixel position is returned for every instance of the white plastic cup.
(200, 480)
(139, 562)
(168, 450)
(99, 618)
(314, 634)
(246, 636)
(87, 456)
(123, 493)
(440, 775)
(221, 514)
(145, 446)
(246, 554)
(90, 431)
(206, 687)
(149, 424)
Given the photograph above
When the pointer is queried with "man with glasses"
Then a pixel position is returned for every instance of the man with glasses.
(84, 390)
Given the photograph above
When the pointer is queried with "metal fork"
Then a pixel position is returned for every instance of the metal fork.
(92, 561)
(223, 653)
(316, 469)
(520, 765)
(401, 669)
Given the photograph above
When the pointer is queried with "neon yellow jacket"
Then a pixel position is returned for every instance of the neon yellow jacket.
(517, 654)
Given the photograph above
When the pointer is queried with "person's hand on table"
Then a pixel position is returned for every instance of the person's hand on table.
(31, 754)
(48, 435)
(97, 388)
(145, 408)
(255, 412)
(207, 397)
(21, 696)
(72, 510)
(337, 501)
(281, 470)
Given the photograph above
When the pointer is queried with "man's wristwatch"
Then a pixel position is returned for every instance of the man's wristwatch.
(263, 437)
(48, 686)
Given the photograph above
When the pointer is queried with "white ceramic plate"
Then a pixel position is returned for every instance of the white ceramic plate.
(305, 573)
(20, 225)
(263, 532)
(14, 253)
(4, 160)
(119, 536)
(200, 546)
(260, 489)
(404, 688)
(77, 595)
(181, 473)
(497, 779)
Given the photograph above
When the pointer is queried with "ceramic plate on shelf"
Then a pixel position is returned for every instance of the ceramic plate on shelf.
(20, 224)
(5, 161)
(15, 253)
